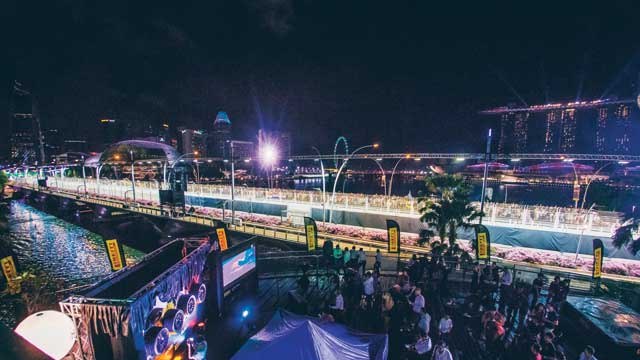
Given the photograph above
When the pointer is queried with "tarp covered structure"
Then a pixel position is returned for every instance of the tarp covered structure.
(292, 337)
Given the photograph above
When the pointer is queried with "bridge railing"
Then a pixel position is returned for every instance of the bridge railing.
(576, 220)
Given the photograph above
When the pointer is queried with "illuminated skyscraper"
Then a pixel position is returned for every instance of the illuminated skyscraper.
(218, 143)
(600, 126)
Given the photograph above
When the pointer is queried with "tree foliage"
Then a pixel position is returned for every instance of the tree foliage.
(627, 235)
(3, 182)
(446, 206)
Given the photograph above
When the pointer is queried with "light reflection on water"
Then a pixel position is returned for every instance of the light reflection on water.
(51, 247)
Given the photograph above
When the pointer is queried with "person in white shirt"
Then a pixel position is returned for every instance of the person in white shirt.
(422, 345)
(441, 352)
(507, 278)
(588, 353)
(418, 302)
(445, 326)
(369, 285)
(339, 306)
(425, 321)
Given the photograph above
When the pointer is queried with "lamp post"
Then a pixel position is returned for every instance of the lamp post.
(581, 233)
(133, 178)
(324, 192)
(586, 189)
(233, 185)
(384, 175)
(335, 182)
(407, 156)
(487, 158)
(84, 177)
(268, 156)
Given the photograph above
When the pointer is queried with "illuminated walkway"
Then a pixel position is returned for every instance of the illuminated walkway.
(557, 219)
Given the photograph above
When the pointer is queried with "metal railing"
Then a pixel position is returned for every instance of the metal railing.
(599, 223)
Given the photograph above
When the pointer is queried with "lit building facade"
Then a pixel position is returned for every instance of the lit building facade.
(192, 141)
(220, 136)
(600, 126)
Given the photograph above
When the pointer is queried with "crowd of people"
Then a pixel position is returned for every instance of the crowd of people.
(420, 309)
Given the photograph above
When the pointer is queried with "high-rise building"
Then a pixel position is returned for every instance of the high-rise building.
(111, 131)
(26, 141)
(599, 126)
(220, 136)
(192, 141)
(242, 150)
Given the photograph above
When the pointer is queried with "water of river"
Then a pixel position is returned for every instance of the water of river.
(51, 247)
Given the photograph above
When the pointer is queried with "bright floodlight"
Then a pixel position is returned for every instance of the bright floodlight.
(245, 313)
(623, 162)
(375, 146)
(268, 154)
(50, 331)
(459, 159)
(515, 160)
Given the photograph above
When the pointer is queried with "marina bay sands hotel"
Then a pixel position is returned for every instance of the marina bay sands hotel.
(608, 126)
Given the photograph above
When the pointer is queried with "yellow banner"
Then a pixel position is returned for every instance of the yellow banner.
(10, 272)
(311, 237)
(222, 239)
(393, 239)
(113, 250)
(597, 266)
(483, 251)
(9, 268)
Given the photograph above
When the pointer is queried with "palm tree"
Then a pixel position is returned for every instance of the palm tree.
(3, 182)
(447, 206)
(627, 235)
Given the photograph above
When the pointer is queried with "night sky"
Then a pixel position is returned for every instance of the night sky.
(411, 75)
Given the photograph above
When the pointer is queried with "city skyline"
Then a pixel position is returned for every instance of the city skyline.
(410, 87)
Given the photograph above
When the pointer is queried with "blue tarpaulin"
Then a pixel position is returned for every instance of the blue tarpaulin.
(291, 337)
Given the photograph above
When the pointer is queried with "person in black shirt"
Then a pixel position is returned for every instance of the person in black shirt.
(554, 289)
(475, 277)
(538, 283)
(327, 252)
(548, 350)
(552, 318)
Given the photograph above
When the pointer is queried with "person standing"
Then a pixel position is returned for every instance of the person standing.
(505, 289)
(588, 353)
(346, 257)
(362, 258)
(419, 302)
(425, 321)
(327, 252)
(441, 352)
(337, 256)
(444, 327)
(354, 257)
(538, 283)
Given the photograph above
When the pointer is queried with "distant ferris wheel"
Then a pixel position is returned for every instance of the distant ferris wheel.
(342, 140)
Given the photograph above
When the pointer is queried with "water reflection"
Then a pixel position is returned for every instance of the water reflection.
(56, 249)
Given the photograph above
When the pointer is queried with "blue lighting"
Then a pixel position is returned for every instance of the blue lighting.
(245, 313)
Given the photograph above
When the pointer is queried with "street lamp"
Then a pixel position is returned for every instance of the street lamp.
(268, 157)
(335, 182)
(84, 178)
(406, 156)
(575, 181)
(324, 191)
(173, 164)
(586, 189)
(133, 178)
(233, 177)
